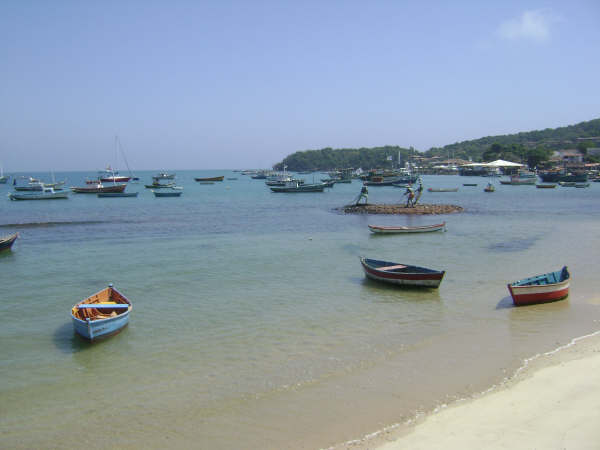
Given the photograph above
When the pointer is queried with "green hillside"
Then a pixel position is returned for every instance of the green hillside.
(328, 158)
(520, 145)
(549, 139)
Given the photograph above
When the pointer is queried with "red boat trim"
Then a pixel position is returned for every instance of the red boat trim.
(521, 298)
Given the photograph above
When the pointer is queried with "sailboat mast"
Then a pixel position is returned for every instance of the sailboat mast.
(123, 155)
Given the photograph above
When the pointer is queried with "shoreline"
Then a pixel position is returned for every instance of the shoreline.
(551, 401)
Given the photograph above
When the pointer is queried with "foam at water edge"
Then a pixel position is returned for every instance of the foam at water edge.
(420, 414)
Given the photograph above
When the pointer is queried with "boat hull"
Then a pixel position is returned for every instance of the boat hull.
(299, 188)
(211, 178)
(397, 230)
(167, 194)
(413, 277)
(38, 196)
(115, 179)
(531, 294)
(117, 194)
(98, 189)
(442, 189)
(7, 242)
(98, 327)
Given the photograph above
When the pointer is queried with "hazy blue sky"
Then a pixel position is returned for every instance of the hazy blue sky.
(228, 84)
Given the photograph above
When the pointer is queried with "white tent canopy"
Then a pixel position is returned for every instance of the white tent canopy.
(502, 163)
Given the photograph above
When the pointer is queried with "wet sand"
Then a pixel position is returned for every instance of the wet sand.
(552, 403)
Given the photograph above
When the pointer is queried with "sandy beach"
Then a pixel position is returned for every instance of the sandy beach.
(552, 403)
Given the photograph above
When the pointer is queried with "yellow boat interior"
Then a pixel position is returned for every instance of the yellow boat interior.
(102, 305)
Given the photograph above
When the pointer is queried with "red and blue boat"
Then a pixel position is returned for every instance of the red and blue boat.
(400, 274)
(549, 287)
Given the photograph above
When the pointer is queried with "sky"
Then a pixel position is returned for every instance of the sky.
(242, 84)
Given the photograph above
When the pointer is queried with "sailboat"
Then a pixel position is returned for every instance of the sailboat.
(112, 174)
(131, 175)
(3, 178)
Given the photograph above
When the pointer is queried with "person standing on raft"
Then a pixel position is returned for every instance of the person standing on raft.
(419, 192)
(410, 195)
(364, 193)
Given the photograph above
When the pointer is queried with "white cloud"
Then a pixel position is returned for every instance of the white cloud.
(533, 25)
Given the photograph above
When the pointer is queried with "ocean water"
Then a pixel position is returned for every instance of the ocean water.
(253, 325)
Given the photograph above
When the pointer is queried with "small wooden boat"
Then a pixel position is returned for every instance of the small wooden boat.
(210, 178)
(97, 188)
(545, 186)
(544, 288)
(156, 185)
(173, 192)
(582, 185)
(295, 186)
(382, 181)
(516, 181)
(567, 183)
(164, 176)
(102, 314)
(489, 188)
(419, 229)
(117, 194)
(400, 274)
(45, 194)
(469, 184)
(442, 189)
(6, 242)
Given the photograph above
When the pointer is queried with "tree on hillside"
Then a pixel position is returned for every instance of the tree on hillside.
(537, 155)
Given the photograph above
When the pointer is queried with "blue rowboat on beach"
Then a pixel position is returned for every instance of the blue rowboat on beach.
(102, 314)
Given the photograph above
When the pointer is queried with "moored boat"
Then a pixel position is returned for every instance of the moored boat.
(442, 189)
(157, 185)
(117, 194)
(6, 242)
(518, 181)
(111, 175)
(164, 176)
(295, 186)
(544, 288)
(46, 193)
(175, 191)
(97, 188)
(400, 274)
(102, 314)
(545, 186)
(211, 178)
(418, 229)
(489, 188)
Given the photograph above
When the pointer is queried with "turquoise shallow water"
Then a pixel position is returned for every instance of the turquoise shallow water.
(253, 325)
